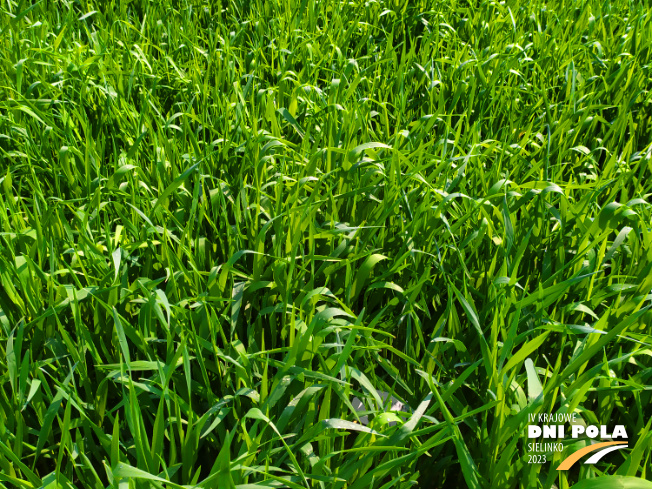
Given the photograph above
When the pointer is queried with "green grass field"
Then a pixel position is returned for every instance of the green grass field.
(222, 222)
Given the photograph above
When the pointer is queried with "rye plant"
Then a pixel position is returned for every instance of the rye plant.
(223, 223)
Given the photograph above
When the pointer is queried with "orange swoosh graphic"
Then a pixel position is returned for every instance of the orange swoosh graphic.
(574, 457)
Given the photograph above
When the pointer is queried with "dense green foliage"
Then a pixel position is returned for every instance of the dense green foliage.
(220, 225)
